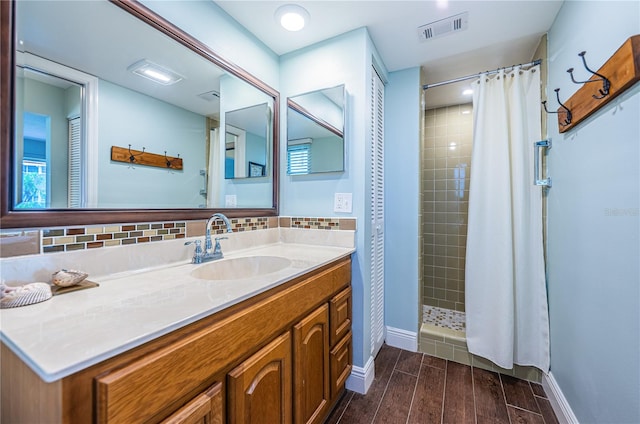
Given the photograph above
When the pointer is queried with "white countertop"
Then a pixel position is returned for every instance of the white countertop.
(73, 331)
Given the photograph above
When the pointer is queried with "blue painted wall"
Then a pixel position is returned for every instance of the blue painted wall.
(159, 127)
(594, 224)
(211, 25)
(402, 199)
(346, 59)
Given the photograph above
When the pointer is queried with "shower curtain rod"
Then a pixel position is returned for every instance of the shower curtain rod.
(495, 71)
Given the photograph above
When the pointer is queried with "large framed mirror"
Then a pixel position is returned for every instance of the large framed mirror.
(104, 125)
(315, 131)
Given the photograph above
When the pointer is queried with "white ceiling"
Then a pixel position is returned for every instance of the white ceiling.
(500, 33)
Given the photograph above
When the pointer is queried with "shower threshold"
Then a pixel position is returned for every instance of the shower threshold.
(442, 334)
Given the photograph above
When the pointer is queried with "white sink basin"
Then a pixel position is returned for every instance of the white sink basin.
(238, 268)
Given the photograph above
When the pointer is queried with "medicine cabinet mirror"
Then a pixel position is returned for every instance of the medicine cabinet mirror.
(247, 142)
(79, 89)
(315, 131)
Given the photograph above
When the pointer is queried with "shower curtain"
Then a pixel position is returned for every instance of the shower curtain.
(505, 292)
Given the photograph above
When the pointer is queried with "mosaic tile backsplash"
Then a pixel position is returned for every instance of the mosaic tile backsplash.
(77, 238)
(49, 240)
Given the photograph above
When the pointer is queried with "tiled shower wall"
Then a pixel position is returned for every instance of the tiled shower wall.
(445, 172)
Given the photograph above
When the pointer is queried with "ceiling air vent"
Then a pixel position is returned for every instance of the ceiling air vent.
(210, 96)
(444, 26)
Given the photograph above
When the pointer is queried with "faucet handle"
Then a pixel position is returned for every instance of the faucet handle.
(217, 249)
(197, 253)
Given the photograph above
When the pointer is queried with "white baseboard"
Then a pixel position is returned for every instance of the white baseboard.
(361, 378)
(559, 403)
(402, 339)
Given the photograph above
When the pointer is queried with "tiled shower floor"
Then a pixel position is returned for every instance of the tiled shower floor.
(441, 317)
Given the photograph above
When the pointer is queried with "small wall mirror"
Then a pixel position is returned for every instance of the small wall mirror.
(315, 131)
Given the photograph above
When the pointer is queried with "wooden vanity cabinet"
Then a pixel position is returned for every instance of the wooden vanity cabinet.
(269, 359)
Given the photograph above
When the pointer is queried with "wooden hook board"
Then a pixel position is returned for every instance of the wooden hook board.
(123, 154)
(622, 69)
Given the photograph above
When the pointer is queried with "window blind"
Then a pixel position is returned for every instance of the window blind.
(299, 159)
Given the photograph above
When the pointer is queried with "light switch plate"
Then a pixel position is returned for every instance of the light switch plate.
(230, 201)
(343, 202)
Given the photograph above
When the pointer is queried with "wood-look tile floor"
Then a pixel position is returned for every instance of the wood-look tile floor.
(415, 388)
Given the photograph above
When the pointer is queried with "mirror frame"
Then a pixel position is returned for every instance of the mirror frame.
(66, 217)
(291, 104)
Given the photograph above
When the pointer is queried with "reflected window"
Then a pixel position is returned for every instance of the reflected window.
(34, 161)
(298, 159)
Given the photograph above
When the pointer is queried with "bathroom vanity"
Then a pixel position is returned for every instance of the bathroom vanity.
(272, 348)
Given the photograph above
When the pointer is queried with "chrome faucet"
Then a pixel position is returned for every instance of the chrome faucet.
(210, 252)
(207, 238)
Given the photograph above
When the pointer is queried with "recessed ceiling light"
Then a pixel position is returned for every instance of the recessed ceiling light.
(292, 17)
(154, 72)
(467, 92)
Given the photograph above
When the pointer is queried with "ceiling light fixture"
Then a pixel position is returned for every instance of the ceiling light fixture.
(467, 92)
(154, 72)
(292, 17)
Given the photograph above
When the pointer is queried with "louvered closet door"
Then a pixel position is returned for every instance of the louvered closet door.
(75, 164)
(377, 213)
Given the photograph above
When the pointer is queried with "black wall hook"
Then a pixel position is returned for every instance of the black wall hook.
(568, 117)
(606, 84)
(168, 161)
(132, 157)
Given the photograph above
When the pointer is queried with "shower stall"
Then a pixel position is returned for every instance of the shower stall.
(446, 146)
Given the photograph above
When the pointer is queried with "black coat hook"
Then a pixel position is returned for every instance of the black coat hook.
(568, 117)
(168, 161)
(606, 84)
(132, 157)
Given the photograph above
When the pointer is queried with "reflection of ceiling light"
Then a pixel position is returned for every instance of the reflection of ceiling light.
(292, 17)
(466, 112)
(452, 146)
(467, 92)
(154, 72)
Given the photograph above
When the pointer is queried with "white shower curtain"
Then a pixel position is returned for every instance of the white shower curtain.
(505, 288)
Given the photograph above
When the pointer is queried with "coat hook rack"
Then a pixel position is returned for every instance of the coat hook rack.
(568, 116)
(128, 155)
(606, 84)
(622, 70)
(132, 157)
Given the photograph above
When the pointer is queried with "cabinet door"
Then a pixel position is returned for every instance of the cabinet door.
(204, 409)
(340, 365)
(340, 315)
(259, 389)
(311, 367)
